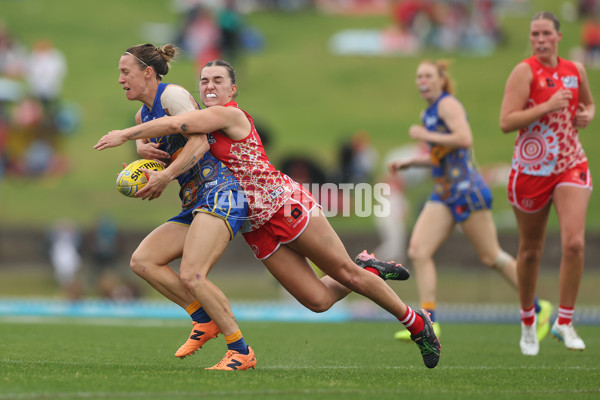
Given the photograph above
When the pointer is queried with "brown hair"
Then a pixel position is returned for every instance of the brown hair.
(549, 16)
(228, 67)
(158, 58)
(442, 68)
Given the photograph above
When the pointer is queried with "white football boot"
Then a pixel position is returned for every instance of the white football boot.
(530, 346)
(567, 335)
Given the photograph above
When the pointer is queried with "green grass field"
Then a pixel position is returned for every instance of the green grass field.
(123, 359)
(308, 97)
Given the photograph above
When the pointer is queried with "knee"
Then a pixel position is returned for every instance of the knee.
(138, 263)
(192, 280)
(318, 305)
(530, 255)
(416, 254)
(496, 261)
(573, 247)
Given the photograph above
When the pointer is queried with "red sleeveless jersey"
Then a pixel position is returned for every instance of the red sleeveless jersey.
(266, 188)
(551, 144)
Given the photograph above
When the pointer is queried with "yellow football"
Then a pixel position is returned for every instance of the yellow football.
(131, 179)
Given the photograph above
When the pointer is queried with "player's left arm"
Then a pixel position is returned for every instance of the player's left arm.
(586, 109)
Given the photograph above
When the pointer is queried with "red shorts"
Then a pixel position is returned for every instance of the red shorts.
(530, 193)
(284, 226)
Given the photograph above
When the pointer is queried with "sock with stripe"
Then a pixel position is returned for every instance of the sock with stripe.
(412, 321)
(197, 313)
(528, 316)
(565, 315)
(236, 342)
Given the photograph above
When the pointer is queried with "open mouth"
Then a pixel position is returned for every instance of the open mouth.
(211, 96)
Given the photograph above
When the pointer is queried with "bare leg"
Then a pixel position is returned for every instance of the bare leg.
(571, 205)
(151, 262)
(432, 228)
(481, 231)
(532, 235)
(321, 244)
(201, 252)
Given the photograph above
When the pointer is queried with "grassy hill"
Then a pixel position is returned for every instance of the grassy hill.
(309, 99)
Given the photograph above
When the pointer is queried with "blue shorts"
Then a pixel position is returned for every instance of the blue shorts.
(477, 198)
(227, 201)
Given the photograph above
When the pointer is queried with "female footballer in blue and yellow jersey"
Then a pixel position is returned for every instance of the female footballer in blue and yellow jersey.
(212, 201)
(460, 194)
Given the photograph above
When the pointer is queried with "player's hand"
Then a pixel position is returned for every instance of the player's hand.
(417, 132)
(559, 100)
(111, 139)
(150, 151)
(398, 165)
(582, 116)
(157, 183)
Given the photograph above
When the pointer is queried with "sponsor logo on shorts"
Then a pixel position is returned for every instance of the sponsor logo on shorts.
(528, 204)
(294, 217)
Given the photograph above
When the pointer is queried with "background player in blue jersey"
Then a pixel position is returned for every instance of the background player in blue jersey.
(460, 194)
(213, 204)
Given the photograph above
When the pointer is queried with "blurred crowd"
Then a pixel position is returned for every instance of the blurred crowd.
(589, 13)
(33, 119)
(215, 29)
(447, 25)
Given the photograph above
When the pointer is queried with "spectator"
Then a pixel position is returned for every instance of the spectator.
(45, 72)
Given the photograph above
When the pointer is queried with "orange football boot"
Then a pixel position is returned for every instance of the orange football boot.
(235, 361)
(201, 333)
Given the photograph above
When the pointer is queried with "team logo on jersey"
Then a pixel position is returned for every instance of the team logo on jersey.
(550, 83)
(430, 120)
(277, 192)
(570, 82)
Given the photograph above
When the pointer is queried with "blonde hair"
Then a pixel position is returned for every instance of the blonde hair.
(442, 68)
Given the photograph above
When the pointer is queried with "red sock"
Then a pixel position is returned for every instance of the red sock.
(372, 270)
(412, 321)
(528, 316)
(565, 315)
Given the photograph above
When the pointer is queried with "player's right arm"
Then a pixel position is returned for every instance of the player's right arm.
(147, 149)
(513, 114)
(421, 160)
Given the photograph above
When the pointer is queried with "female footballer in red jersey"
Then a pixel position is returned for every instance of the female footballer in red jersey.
(547, 98)
(285, 225)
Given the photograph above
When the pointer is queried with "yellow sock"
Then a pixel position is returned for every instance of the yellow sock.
(234, 337)
(192, 308)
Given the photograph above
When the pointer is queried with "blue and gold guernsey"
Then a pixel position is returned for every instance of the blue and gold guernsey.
(208, 186)
(456, 181)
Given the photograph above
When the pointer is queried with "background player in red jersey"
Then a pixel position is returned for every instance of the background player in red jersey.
(547, 98)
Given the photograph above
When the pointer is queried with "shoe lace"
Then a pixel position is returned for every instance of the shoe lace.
(225, 360)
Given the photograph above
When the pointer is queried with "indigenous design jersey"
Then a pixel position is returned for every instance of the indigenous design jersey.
(551, 144)
(453, 172)
(266, 188)
(208, 174)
